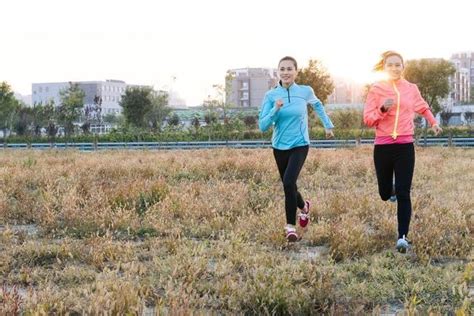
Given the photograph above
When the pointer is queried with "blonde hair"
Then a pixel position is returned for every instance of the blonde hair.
(383, 58)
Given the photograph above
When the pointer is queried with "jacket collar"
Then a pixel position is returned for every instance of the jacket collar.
(292, 86)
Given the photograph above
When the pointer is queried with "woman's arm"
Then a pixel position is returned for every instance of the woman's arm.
(421, 107)
(268, 113)
(319, 109)
(373, 110)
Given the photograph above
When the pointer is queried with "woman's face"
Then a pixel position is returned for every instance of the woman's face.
(393, 67)
(287, 72)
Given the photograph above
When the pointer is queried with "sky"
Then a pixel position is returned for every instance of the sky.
(187, 45)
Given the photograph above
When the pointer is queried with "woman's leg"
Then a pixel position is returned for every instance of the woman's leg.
(384, 166)
(404, 167)
(282, 157)
(293, 199)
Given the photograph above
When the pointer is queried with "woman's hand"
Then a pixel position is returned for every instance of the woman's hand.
(386, 105)
(436, 129)
(329, 133)
(278, 104)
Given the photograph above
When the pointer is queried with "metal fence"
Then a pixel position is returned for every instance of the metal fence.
(441, 141)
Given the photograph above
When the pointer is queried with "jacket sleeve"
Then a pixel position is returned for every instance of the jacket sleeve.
(268, 114)
(372, 112)
(319, 109)
(422, 108)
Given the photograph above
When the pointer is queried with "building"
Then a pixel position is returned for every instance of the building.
(465, 60)
(346, 92)
(108, 92)
(26, 99)
(463, 80)
(175, 101)
(247, 86)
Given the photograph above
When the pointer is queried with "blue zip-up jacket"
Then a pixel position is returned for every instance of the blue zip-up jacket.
(291, 121)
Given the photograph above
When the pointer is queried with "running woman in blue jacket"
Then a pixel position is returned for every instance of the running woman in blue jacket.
(285, 108)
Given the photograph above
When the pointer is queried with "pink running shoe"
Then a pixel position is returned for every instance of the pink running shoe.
(304, 215)
(291, 234)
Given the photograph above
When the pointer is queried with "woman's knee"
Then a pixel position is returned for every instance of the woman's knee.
(289, 186)
(385, 194)
(403, 194)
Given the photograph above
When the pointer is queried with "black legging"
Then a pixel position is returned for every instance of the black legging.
(289, 164)
(398, 158)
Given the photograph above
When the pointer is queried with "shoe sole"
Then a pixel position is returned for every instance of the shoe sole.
(303, 225)
(402, 249)
(309, 206)
(292, 237)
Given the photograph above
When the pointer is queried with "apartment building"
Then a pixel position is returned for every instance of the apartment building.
(248, 86)
(109, 93)
(463, 80)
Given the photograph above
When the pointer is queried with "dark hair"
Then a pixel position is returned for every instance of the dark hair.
(290, 59)
(383, 58)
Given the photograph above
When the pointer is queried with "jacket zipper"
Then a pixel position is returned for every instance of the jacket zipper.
(397, 113)
(288, 90)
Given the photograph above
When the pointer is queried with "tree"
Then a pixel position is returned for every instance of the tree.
(236, 125)
(48, 116)
(446, 115)
(173, 120)
(317, 77)
(468, 116)
(229, 79)
(221, 98)
(210, 117)
(365, 91)
(111, 118)
(24, 120)
(137, 103)
(38, 121)
(159, 110)
(8, 107)
(92, 114)
(347, 119)
(250, 121)
(69, 111)
(195, 123)
(432, 78)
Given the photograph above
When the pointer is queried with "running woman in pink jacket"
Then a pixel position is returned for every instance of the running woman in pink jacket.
(390, 108)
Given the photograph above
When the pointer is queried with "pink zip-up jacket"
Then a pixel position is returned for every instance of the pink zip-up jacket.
(407, 102)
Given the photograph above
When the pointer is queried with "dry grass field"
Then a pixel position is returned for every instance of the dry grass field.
(191, 232)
